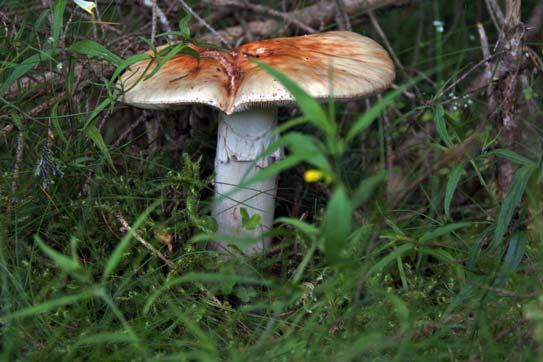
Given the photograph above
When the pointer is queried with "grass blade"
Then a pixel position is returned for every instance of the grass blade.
(389, 258)
(309, 106)
(452, 183)
(58, 18)
(443, 230)
(65, 263)
(21, 69)
(510, 203)
(441, 127)
(93, 49)
(117, 254)
(48, 306)
(96, 137)
(513, 157)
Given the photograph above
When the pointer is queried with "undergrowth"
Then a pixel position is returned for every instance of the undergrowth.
(404, 250)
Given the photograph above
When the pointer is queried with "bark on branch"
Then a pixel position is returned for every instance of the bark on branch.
(315, 16)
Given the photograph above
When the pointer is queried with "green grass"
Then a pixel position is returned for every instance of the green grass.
(430, 263)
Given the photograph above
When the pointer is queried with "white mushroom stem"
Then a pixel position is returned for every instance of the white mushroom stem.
(242, 137)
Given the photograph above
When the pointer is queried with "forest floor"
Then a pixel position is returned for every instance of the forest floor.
(436, 184)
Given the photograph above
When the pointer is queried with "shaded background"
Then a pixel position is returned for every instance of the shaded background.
(444, 257)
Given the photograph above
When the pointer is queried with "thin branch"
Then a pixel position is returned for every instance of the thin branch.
(261, 9)
(382, 35)
(127, 131)
(7, 129)
(512, 12)
(137, 236)
(18, 159)
(535, 22)
(205, 24)
(496, 14)
(342, 14)
(485, 47)
(316, 16)
(161, 16)
(153, 21)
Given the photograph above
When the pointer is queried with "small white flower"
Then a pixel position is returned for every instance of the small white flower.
(439, 25)
(60, 66)
(88, 6)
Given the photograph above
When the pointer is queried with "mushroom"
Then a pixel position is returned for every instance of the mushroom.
(247, 98)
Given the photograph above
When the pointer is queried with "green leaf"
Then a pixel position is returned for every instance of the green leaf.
(58, 17)
(513, 257)
(309, 106)
(184, 27)
(443, 230)
(447, 258)
(452, 183)
(441, 127)
(65, 263)
(249, 223)
(366, 119)
(48, 306)
(237, 240)
(510, 203)
(17, 121)
(213, 278)
(55, 122)
(515, 252)
(93, 49)
(246, 294)
(402, 311)
(337, 224)
(106, 338)
(513, 157)
(24, 67)
(117, 254)
(389, 258)
(166, 54)
(127, 63)
(94, 134)
(303, 149)
(274, 169)
(367, 187)
(304, 227)
(103, 105)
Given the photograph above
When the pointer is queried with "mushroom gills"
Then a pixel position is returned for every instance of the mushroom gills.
(241, 139)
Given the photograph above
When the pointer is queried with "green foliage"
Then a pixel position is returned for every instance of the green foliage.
(249, 222)
(402, 250)
(93, 49)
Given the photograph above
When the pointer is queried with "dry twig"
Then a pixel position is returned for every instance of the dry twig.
(137, 236)
(205, 24)
(342, 15)
(495, 13)
(18, 159)
(160, 14)
(315, 16)
(261, 9)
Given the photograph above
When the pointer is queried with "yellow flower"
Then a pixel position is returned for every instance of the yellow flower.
(88, 6)
(313, 175)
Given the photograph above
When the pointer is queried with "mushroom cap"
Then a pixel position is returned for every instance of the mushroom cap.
(337, 64)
